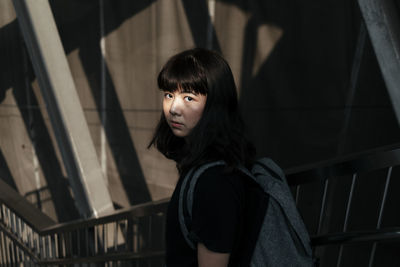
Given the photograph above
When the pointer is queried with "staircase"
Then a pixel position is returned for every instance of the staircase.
(135, 236)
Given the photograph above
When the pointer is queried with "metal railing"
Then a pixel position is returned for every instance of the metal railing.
(135, 236)
(349, 172)
(128, 237)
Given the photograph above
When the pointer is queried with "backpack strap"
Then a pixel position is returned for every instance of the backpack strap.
(186, 197)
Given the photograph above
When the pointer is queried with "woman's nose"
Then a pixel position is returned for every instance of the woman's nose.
(175, 108)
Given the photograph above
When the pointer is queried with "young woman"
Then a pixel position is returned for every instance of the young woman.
(200, 123)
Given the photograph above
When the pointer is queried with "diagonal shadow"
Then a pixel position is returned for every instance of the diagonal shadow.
(5, 173)
(36, 128)
(17, 74)
(76, 19)
(9, 44)
(58, 184)
(198, 18)
(116, 128)
(85, 34)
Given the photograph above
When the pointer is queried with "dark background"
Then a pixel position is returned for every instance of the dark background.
(318, 95)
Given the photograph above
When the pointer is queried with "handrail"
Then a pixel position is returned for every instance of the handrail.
(359, 162)
(357, 236)
(140, 210)
(25, 210)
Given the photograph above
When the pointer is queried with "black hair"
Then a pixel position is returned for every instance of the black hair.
(219, 134)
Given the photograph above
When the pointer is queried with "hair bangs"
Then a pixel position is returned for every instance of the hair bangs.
(184, 75)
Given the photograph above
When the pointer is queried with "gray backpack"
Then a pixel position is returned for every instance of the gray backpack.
(283, 239)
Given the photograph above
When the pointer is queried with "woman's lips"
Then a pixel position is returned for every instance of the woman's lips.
(175, 124)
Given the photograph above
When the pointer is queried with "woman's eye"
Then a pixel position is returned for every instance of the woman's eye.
(189, 98)
(168, 95)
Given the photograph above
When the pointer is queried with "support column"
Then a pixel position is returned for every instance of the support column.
(66, 114)
(383, 24)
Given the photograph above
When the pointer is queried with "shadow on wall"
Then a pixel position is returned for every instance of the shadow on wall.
(79, 27)
(82, 32)
(18, 76)
(78, 24)
(296, 102)
(5, 173)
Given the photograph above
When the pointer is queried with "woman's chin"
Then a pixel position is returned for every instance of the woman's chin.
(179, 132)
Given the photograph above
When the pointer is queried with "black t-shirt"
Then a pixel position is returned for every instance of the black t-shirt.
(224, 207)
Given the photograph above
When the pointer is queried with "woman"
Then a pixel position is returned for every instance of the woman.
(200, 123)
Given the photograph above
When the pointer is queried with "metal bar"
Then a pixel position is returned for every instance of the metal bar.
(2, 253)
(115, 241)
(57, 245)
(350, 198)
(383, 24)
(346, 218)
(96, 241)
(388, 234)
(322, 210)
(23, 258)
(13, 223)
(105, 237)
(53, 246)
(87, 241)
(384, 197)
(78, 239)
(13, 253)
(62, 101)
(149, 243)
(6, 243)
(11, 240)
(37, 244)
(29, 237)
(141, 210)
(378, 225)
(17, 255)
(41, 248)
(63, 245)
(47, 243)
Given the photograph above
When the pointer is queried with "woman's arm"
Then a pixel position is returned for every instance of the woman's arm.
(208, 258)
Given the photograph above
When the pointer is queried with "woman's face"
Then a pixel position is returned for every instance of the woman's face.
(183, 110)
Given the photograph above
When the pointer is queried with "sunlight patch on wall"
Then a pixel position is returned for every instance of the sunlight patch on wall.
(267, 38)
(7, 12)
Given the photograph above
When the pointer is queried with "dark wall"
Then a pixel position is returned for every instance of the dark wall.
(303, 104)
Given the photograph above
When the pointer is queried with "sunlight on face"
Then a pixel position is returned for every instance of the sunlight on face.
(183, 110)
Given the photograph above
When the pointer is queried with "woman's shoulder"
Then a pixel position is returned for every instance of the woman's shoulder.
(218, 179)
